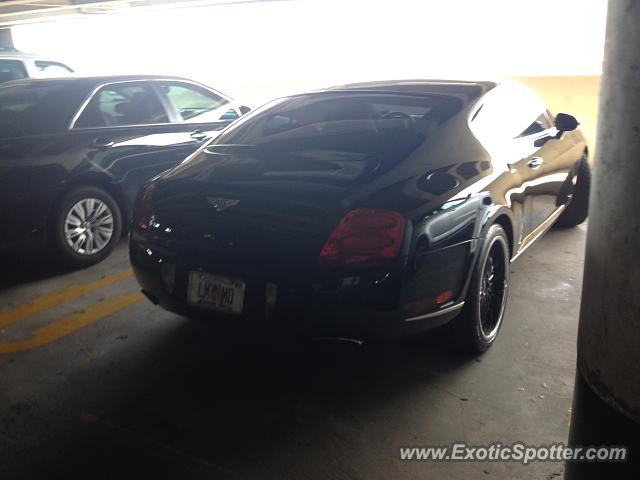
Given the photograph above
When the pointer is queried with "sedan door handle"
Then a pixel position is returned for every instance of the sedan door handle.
(101, 143)
(198, 135)
(535, 162)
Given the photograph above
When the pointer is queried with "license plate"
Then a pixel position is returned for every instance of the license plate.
(217, 293)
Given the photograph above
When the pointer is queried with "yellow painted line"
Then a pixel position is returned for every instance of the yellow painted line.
(70, 323)
(49, 300)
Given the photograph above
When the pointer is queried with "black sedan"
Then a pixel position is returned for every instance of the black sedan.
(360, 210)
(74, 152)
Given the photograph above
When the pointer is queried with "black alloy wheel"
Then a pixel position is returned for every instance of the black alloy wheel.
(476, 328)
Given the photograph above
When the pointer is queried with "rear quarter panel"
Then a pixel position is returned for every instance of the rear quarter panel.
(31, 177)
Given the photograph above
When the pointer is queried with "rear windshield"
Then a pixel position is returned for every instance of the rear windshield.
(344, 131)
(27, 109)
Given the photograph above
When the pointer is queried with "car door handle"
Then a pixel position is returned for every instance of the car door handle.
(535, 162)
(198, 135)
(101, 143)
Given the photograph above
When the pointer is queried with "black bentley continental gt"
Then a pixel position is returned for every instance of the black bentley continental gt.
(363, 210)
(74, 152)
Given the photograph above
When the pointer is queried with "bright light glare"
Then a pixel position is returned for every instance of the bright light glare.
(255, 51)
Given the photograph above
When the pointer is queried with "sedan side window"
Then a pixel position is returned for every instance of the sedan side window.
(122, 104)
(52, 69)
(197, 105)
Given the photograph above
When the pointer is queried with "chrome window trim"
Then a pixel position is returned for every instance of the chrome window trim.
(95, 90)
(437, 313)
(539, 231)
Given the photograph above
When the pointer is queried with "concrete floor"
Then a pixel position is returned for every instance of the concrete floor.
(95, 382)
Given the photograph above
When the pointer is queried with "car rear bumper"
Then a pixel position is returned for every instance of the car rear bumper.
(330, 304)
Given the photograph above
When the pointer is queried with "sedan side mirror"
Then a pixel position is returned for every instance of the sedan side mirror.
(566, 122)
(244, 109)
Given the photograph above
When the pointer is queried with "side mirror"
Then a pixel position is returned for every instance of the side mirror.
(566, 122)
(244, 109)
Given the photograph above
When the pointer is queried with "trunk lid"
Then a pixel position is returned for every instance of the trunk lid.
(233, 207)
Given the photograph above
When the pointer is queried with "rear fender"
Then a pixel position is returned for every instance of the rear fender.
(445, 251)
(489, 215)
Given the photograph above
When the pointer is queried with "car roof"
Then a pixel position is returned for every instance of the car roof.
(70, 92)
(83, 85)
(97, 80)
(467, 90)
(12, 52)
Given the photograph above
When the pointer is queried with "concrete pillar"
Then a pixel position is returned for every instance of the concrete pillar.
(607, 396)
(6, 40)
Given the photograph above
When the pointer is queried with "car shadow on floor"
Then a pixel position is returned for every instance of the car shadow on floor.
(181, 400)
(25, 267)
(201, 405)
(30, 266)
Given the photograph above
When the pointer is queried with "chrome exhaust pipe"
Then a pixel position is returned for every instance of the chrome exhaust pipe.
(352, 341)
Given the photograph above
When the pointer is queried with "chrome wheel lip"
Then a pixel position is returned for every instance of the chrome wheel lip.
(88, 226)
(490, 335)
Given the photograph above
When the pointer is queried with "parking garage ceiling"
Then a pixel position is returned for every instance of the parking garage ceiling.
(16, 12)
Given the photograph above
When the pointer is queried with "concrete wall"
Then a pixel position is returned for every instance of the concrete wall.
(577, 95)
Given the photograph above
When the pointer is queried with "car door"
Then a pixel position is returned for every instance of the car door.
(126, 131)
(496, 122)
(544, 152)
(525, 137)
(547, 161)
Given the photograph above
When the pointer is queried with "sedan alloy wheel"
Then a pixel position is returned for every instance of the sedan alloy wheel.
(88, 226)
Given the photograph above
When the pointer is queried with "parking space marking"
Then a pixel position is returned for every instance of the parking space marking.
(71, 323)
(39, 304)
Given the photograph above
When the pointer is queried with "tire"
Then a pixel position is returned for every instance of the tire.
(476, 328)
(578, 209)
(86, 226)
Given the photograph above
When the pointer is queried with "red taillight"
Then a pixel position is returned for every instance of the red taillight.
(142, 208)
(364, 237)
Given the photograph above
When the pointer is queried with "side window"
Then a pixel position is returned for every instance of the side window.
(507, 113)
(195, 104)
(52, 69)
(123, 104)
(12, 70)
